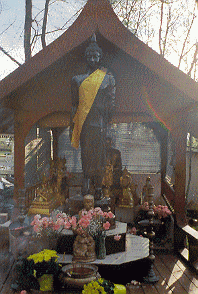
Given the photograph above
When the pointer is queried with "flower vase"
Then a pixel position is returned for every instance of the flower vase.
(100, 246)
(46, 282)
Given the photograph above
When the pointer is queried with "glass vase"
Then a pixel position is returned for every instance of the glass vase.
(100, 246)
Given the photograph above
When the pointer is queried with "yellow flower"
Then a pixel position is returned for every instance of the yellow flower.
(93, 288)
(46, 255)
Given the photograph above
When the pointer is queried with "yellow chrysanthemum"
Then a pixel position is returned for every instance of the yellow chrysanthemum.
(93, 288)
(46, 255)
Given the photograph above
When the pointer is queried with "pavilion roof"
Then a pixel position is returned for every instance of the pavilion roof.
(169, 93)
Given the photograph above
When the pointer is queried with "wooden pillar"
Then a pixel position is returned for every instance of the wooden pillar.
(19, 157)
(22, 124)
(163, 153)
(180, 136)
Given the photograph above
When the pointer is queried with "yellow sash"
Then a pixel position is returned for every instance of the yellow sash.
(87, 93)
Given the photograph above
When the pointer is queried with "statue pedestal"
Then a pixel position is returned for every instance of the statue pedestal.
(66, 241)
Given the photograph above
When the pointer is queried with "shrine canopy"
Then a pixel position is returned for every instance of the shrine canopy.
(148, 87)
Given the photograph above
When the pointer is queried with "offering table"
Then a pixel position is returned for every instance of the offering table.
(122, 267)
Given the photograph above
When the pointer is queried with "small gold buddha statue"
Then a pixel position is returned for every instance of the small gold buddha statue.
(126, 199)
(145, 190)
(107, 181)
(88, 202)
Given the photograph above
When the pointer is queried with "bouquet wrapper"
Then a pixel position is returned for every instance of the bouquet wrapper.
(119, 289)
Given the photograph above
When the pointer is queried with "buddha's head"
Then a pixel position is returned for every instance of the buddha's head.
(88, 202)
(93, 53)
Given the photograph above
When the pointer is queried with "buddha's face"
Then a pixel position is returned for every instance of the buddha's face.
(93, 58)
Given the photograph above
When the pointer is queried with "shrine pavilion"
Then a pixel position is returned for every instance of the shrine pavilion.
(151, 92)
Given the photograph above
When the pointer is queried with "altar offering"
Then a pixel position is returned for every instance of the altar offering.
(79, 274)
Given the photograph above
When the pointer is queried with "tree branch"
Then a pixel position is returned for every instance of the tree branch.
(44, 24)
(7, 54)
(27, 29)
(194, 59)
(160, 28)
(184, 44)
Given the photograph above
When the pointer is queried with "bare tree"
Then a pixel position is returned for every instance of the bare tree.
(167, 23)
(27, 29)
(163, 41)
(194, 62)
(44, 23)
(175, 20)
(7, 54)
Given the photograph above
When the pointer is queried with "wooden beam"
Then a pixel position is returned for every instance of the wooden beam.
(180, 137)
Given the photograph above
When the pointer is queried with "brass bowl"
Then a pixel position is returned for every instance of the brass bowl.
(79, 270)
(79, 274)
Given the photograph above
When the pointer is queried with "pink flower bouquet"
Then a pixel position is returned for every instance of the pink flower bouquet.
(48, 226)
(93, 222)
(161, 211)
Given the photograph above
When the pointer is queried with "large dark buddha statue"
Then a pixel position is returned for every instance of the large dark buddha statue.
(93, 103)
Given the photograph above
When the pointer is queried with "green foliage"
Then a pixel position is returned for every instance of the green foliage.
(28, 272)
(25, 278)
(108, 286)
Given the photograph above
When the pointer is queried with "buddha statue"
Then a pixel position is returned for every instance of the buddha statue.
(93, 104)
(88, 203)
(126, 199)
(84, 248)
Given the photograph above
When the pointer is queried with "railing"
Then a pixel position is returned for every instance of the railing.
(168, 194)
(185, 237)
(30, 194)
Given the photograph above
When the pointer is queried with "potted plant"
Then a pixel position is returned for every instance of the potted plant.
(38, 270)
(102, 286)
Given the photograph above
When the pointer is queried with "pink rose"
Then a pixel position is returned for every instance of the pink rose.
(89, 215)
(60, 221)
(106, 225)
(56, 227)
(23, 292)
(67, 225)
(83, 212)
(36, 228)
(73, 221)
(97, 209)
(58, 215)
(84, 222)
(110, 214)
(133, 231)
(117, 237)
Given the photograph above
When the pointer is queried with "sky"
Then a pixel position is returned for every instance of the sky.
(12, 18)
